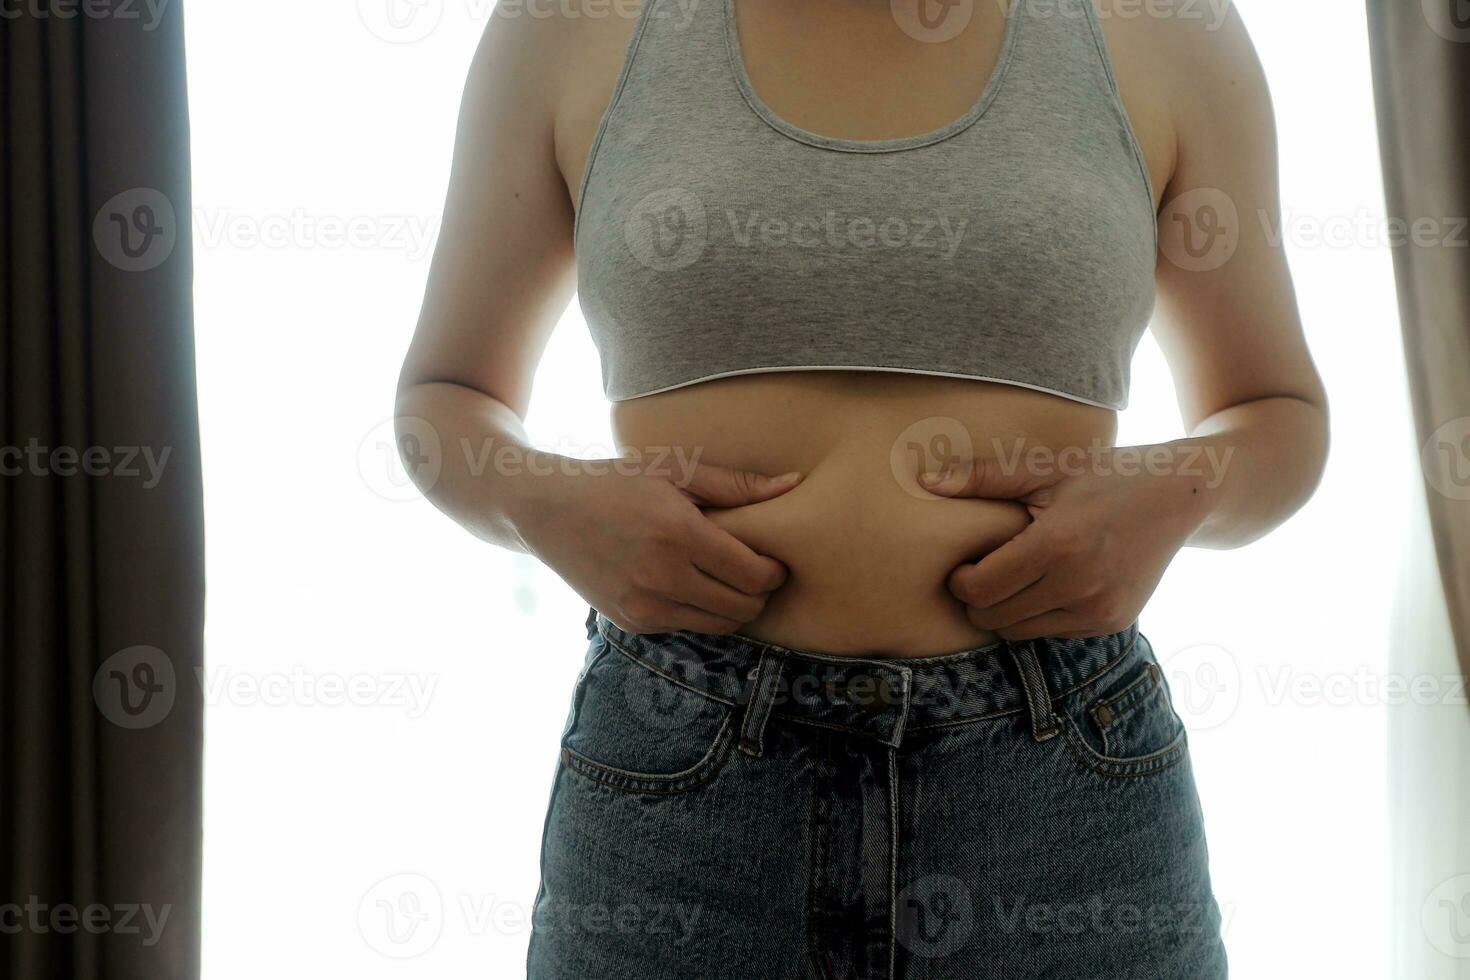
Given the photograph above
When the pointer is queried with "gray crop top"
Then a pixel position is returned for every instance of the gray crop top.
(1015, 244)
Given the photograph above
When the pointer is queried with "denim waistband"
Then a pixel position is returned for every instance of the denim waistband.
(879, 697)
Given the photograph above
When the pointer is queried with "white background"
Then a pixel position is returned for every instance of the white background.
(324, 568)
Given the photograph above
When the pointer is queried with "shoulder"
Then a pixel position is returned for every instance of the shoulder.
(533, 54)
(544, 70)
(1199, 52)
(1191, 69)
(1188, 39)
(549, 48)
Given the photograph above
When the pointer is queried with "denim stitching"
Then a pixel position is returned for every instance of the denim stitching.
(893, 864)
(818, 861)
(775, 716)
(1148, 765)
(795, 720)
(1126, 701)
(1007, 712)
(703, 692)
(1038, 701)
(637, 782)
(950, 723)
(991, 716)
(762, 700)
(905, 679)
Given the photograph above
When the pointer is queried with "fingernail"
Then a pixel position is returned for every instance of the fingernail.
(931, 479)
(786, 478)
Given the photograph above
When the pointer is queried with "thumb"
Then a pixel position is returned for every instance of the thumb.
(720, 486)
(982, 478)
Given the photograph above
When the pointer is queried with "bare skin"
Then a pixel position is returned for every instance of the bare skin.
(863, 555)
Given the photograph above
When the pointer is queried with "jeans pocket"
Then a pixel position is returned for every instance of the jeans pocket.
(640, 731)
(1124, 723)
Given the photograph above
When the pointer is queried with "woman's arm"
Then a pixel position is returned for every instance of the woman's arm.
(501, 277)
(1227, 317)
(632, 543)
(1103, 533)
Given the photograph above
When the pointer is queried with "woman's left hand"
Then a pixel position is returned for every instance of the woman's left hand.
(1101, 535)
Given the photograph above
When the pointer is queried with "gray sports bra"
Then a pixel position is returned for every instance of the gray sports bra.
(1015, 244)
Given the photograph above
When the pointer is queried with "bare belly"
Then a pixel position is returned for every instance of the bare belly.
(868, 550)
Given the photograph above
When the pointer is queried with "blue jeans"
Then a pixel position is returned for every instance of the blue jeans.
(727, 808)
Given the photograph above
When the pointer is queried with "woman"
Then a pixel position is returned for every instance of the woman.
(865, 695)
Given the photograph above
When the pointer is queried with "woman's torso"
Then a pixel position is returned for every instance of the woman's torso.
(868, 550)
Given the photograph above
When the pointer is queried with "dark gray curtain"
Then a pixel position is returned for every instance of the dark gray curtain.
(1421, 71)
(101, 580)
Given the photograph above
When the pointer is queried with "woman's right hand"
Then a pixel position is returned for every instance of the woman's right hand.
(638, 548)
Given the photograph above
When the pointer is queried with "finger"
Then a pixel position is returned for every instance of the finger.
(983, 478)
(720, 486)
(685, 617)
(1043, 597)
(1054, 623)
(720, 554)
(703, 591)
(1014, 566)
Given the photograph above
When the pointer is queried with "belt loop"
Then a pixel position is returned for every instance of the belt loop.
(905, 701)
(765, 683)
(591, 622)
(1038, 699)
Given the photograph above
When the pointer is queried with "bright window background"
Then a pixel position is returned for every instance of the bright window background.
(386, 693)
